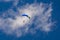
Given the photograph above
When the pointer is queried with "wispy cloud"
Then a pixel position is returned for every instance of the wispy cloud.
(40, 16)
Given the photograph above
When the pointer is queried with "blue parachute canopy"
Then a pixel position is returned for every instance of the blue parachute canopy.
(26, 15)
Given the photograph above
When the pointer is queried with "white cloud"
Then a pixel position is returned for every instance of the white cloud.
(20, 25)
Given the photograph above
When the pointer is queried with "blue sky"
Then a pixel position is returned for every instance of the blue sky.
(53, 35)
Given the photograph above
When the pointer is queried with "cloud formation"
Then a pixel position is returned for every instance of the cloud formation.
(40, 16)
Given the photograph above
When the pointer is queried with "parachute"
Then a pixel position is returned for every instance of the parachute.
(26, 15)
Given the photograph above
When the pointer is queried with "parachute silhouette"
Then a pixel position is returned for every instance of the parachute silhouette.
(26, 15)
